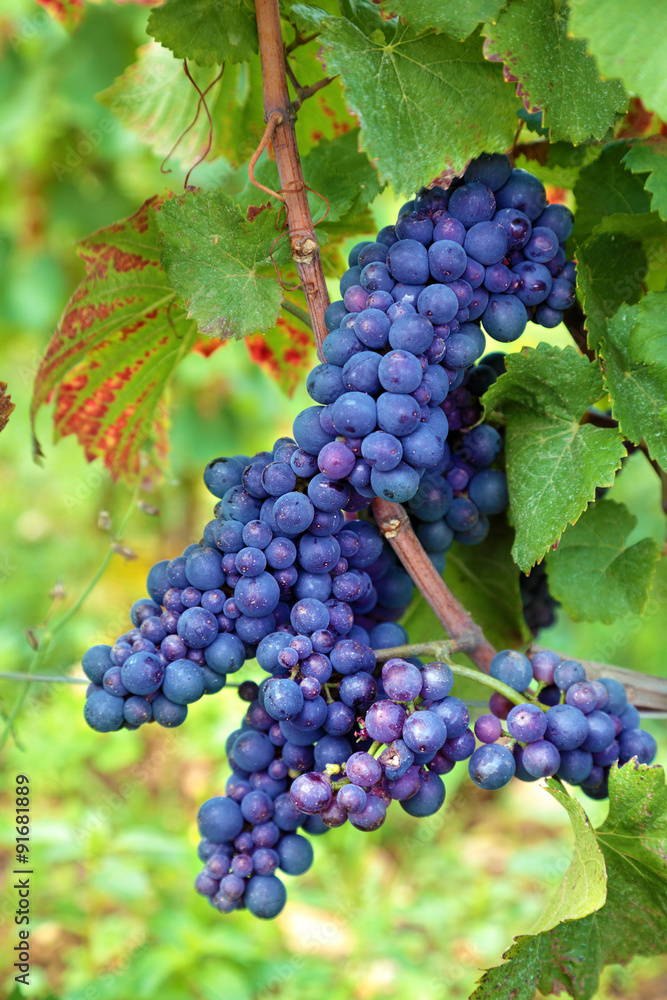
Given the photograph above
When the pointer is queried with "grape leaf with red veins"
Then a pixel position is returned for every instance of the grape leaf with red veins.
(115, 349)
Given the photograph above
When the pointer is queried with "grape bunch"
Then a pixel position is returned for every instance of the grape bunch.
(575, 729)
(292, 571)
(408, 325)
(269, 549)
(333, 738)
(156, 669)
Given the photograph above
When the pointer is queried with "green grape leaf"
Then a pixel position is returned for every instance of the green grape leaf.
(554, 463)
(650, 157)
(485, 580)
(155, 100)
(610, 271)
(638, 390)
(594, 575)
(647, 229)
(628, 44)
(604, 188)
(116, 347)
(648, 342)
(633, 921)
(555, 74)
(214, 258)
(584, 886)
(458, 18)
(325, 115)
(308, 18)
(434, 87)
(208, 31)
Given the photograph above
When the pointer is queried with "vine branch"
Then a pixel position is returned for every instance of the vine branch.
(395, 525)
(303, 242)
(574, 319)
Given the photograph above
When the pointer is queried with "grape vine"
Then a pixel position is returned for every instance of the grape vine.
(448, 494)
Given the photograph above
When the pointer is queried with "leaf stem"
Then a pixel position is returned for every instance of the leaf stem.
(443, 651)
(297, 311)
(44, 678)
(47, 638)
(575, 320)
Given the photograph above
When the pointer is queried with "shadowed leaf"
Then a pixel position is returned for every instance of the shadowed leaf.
(554, 464)
(633, 920)
(592, 572)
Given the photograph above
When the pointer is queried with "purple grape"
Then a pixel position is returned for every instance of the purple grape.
(488, 729)
(526, 723)
(363, 769)
(311, 793)
(540, 759)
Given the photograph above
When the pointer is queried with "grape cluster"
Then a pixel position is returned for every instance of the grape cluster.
(575, 729)
(294, 725)
(290, 572)
(332, 738)
(408, 326)
(539, 605)
(269, 549)
(156, 669)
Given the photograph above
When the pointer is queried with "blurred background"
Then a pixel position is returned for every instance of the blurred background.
(413, 910)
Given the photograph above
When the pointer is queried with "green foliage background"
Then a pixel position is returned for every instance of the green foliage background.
(414, 910)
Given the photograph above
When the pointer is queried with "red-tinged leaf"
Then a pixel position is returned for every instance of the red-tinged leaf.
(639, 122)
(285, 353)
(6, 405)
(67, 12)
(70, 13)
(555, 193)
(116, 347)
(206, 346)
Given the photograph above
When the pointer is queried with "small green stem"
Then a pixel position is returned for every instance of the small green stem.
(475, 675)
(298, 312)
(375, 748)
(44, 678)
(48, 636)
(60, 624)
(443, 650)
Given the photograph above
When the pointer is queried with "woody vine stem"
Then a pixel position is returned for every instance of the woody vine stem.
(279, 114)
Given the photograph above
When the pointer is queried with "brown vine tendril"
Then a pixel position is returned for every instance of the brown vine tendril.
(202, 98)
